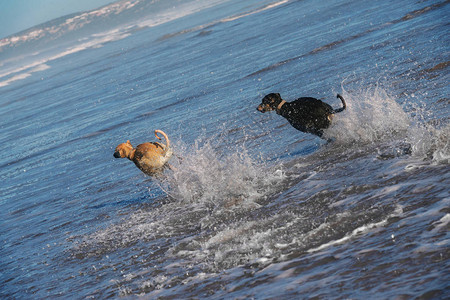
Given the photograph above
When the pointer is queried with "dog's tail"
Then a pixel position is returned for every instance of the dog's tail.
(343, 104)
(167, 146)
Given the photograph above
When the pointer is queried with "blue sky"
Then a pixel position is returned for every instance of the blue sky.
(18, 15)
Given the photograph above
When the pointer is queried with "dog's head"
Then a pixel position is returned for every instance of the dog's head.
(123, 150)
(269, 102)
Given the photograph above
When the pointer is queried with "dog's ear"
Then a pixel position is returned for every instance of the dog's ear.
(278, 95)
(128, 142)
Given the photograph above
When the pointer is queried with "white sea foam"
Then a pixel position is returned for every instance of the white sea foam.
(442, 224)
(206, 185)
(269, 6)
(69, 24)
(14, 78)
(358, 231)
(151, 23)
(97, 40)
(430, 142)
(7, 72)
(181, 11)
(373, 117)
(29, 71)
(41, 62)
(18, 71)
(220, 177)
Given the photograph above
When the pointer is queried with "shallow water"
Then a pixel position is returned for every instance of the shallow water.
(253, 207)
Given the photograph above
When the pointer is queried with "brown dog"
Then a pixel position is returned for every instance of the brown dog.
(150, 158)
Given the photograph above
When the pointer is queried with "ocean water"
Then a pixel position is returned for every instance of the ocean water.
(253, 208)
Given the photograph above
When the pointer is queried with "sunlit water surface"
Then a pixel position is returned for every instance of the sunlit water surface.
(253, 207)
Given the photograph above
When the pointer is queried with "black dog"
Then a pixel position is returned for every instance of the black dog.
(305, 114)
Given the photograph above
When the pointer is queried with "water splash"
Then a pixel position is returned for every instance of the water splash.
(371, 116)
(207, 188)
(430, 143)
(220, 177)
(374, 117)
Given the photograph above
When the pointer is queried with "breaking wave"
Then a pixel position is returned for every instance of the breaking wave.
(82, 31)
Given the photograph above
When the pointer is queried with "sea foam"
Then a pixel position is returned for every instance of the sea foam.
(375, 117)
(207, 174)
